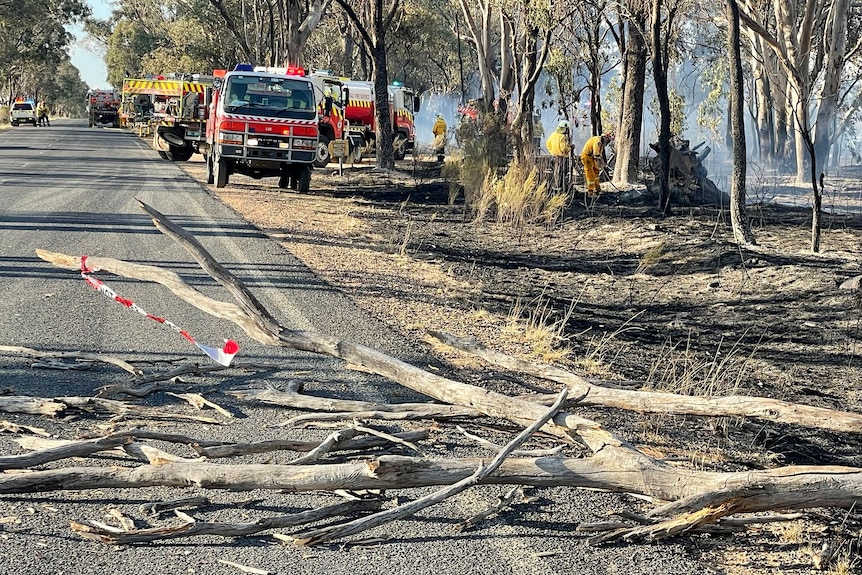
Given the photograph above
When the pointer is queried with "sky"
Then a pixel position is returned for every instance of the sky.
(91, 66)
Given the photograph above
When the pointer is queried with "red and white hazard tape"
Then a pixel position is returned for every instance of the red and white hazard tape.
(222, 356)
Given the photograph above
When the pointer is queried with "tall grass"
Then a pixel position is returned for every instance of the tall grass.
(518, 199)
(496, 187)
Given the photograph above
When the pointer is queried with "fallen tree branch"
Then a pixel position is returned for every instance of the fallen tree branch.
(149, 384)
(26, 351)
(30, 405)
(668, 403)
(89, 530)
(56, 453)
(399, 410)
(345, 444)
(329, 533)
(518, 452)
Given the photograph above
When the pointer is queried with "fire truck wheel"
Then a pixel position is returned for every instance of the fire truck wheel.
(181, 153)
(357, 154)
(220, 176)
(322, 152)
(302, 182)
(399, 153)
(210, 172)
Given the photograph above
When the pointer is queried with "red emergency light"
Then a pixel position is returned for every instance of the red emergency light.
(295, 71)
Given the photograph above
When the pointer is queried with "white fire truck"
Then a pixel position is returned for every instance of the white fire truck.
(261, 124)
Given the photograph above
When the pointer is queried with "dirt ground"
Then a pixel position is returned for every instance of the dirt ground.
(615, 293)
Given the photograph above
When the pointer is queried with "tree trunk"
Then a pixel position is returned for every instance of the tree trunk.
(741, 230)
(384, 135)
(628, 135)
(835, 45)
(660, 79)
(482, 41)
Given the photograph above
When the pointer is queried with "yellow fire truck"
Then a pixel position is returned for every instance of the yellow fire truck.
(173, 106)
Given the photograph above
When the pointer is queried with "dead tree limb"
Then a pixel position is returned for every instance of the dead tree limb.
(668, 403)
(98, 533)
(329, 533)
(144, 386)
(794, 487)
(401, 410)
(118, 408)
(31, 405)
(359, 444)
(26, 351)
(453, 412)
(56, 453)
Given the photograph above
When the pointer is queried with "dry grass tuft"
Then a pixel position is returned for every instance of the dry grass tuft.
(518, 199)
(535, 327)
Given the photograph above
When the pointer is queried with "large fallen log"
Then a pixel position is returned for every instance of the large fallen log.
(794, 487)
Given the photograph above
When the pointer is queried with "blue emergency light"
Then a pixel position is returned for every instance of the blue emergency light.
(244, 67)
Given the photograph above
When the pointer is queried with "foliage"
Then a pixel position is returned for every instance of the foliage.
(34, 42)
(67, 93)
(483, 143)
(678, 120)
(129, 42)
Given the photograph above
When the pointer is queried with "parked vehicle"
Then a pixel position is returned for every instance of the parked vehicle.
(103, 107)
(175, 105)
(23, 112)
(361, 114)
(261, 124)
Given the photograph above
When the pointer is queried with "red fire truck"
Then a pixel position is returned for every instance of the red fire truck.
(261, 124)
(360, 112)
(103, 107)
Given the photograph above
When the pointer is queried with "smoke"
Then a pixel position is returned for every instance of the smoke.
(423, 120)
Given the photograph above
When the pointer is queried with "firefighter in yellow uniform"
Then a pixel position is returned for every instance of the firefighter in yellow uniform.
(42, 114)
(592, 156)
(439, 131)
(560, 148)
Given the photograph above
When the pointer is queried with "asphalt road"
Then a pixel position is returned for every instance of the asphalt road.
(73, 189)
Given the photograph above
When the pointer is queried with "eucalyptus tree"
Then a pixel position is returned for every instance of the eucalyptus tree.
(271, 32)
(372, 25)
(662, 22)
(741, 230)
(33, 34)
(531, 24)
(809, 42)
(633, 47)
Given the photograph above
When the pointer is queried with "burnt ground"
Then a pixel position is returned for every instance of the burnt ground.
(614, 292)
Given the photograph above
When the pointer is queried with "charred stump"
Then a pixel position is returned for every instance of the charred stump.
(687, 177)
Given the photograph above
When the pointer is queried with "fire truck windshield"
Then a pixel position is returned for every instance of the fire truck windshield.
(269, 96)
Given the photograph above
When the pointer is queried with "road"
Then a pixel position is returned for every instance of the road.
(72, 189)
